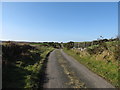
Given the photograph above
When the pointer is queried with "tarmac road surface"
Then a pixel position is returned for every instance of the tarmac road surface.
(63, 71)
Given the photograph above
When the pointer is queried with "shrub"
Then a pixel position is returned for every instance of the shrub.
(69, 45)
(12, 51)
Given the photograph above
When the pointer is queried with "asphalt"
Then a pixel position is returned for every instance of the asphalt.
(63, 71)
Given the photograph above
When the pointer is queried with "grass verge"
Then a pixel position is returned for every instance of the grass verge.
(34, 80)
(108, 71)
(26, 72)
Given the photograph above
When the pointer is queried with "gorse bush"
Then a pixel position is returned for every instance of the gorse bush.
(12, 52)
(98, 49)
(22, 64)
(26, 48)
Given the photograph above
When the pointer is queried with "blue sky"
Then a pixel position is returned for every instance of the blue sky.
(59, 21)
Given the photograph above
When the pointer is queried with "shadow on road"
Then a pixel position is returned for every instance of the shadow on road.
(43, 76)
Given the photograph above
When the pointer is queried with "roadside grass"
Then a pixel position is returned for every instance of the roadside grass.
(32, 80)
(25, 73)
(107, 70)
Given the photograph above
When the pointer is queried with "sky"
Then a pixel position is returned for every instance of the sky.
(59, 21)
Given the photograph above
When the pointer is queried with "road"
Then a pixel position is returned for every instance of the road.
(63, 71)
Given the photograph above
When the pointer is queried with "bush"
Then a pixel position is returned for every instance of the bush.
(98, 49)
(117, 51)
(11, 52)
(69, 45)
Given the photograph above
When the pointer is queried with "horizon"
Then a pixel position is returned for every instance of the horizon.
(58, 21)
(52, 41)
